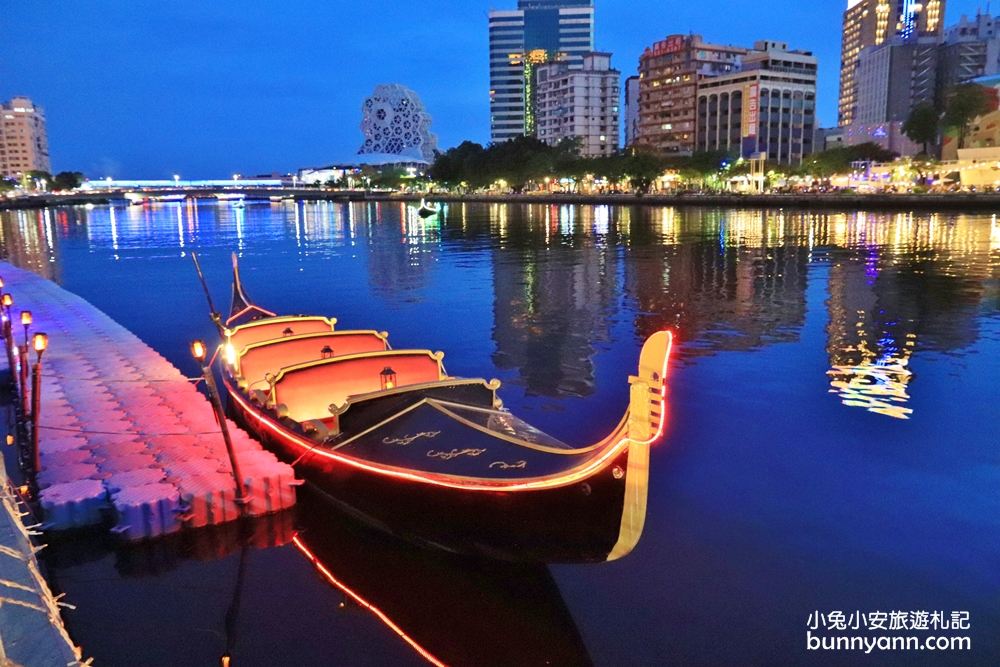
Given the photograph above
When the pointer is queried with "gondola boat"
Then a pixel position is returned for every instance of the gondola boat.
(390, 436)
(426, 210)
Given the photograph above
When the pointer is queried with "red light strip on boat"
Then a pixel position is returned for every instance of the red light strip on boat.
(367, 605)
(247, 310)
(430, 478)
(435, 479)
(663, 401)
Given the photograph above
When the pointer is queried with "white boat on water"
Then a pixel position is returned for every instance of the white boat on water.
(426, 210)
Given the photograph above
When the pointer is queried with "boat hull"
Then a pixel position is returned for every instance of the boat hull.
(579, 521)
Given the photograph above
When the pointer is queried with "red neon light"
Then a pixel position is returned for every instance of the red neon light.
(498, 485)
(437, 480)
(663, 401)
(367, 605)
(247, 310)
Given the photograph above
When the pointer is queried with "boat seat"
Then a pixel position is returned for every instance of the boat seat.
(269, 357)
(271, 328)
(308, 390)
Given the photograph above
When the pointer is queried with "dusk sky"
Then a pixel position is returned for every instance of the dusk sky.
(145, 89)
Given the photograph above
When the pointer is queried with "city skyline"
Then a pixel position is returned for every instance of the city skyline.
(206, 78)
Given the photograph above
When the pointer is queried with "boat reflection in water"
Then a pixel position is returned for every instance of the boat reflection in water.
(453, 610)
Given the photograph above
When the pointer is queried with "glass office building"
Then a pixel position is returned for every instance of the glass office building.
(537, 31)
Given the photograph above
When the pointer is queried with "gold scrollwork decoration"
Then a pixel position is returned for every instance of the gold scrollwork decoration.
(508, 466)
(405, 440)
(454, 454)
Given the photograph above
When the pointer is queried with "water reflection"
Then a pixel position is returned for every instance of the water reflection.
(553, 305)
(804, 338)
(563, 277)
(447, 610)
(29, 240)
(450, 610)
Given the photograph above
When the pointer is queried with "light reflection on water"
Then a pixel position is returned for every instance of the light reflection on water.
(784, 483)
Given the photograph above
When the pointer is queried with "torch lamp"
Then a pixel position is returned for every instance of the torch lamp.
(26, 321)
(200, 352)
(7, 301)
(39, 342)
(8, 332)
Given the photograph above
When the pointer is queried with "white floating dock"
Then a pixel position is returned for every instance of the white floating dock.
(121, 428)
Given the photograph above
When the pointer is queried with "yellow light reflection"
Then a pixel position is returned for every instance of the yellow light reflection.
(879, 388)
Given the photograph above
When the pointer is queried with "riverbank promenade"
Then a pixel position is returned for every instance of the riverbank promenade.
(124, 437)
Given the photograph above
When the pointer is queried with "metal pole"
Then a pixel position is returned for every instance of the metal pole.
(213, 394)
(9, 344)
(36, 402)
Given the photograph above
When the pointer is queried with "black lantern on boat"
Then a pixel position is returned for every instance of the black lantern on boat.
(287, 332)
(388, 377)
(327, 352)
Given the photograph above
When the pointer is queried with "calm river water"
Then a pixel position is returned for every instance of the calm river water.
(832, 444)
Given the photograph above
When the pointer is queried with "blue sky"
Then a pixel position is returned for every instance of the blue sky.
(147, 89)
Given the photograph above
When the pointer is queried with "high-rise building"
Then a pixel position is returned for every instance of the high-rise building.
(767, 105)
(869, 23)
(538, 31)
(669, 73)
(892, 78)
(579, 104)
(24, 145)
(631, 110)
(971, 49)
